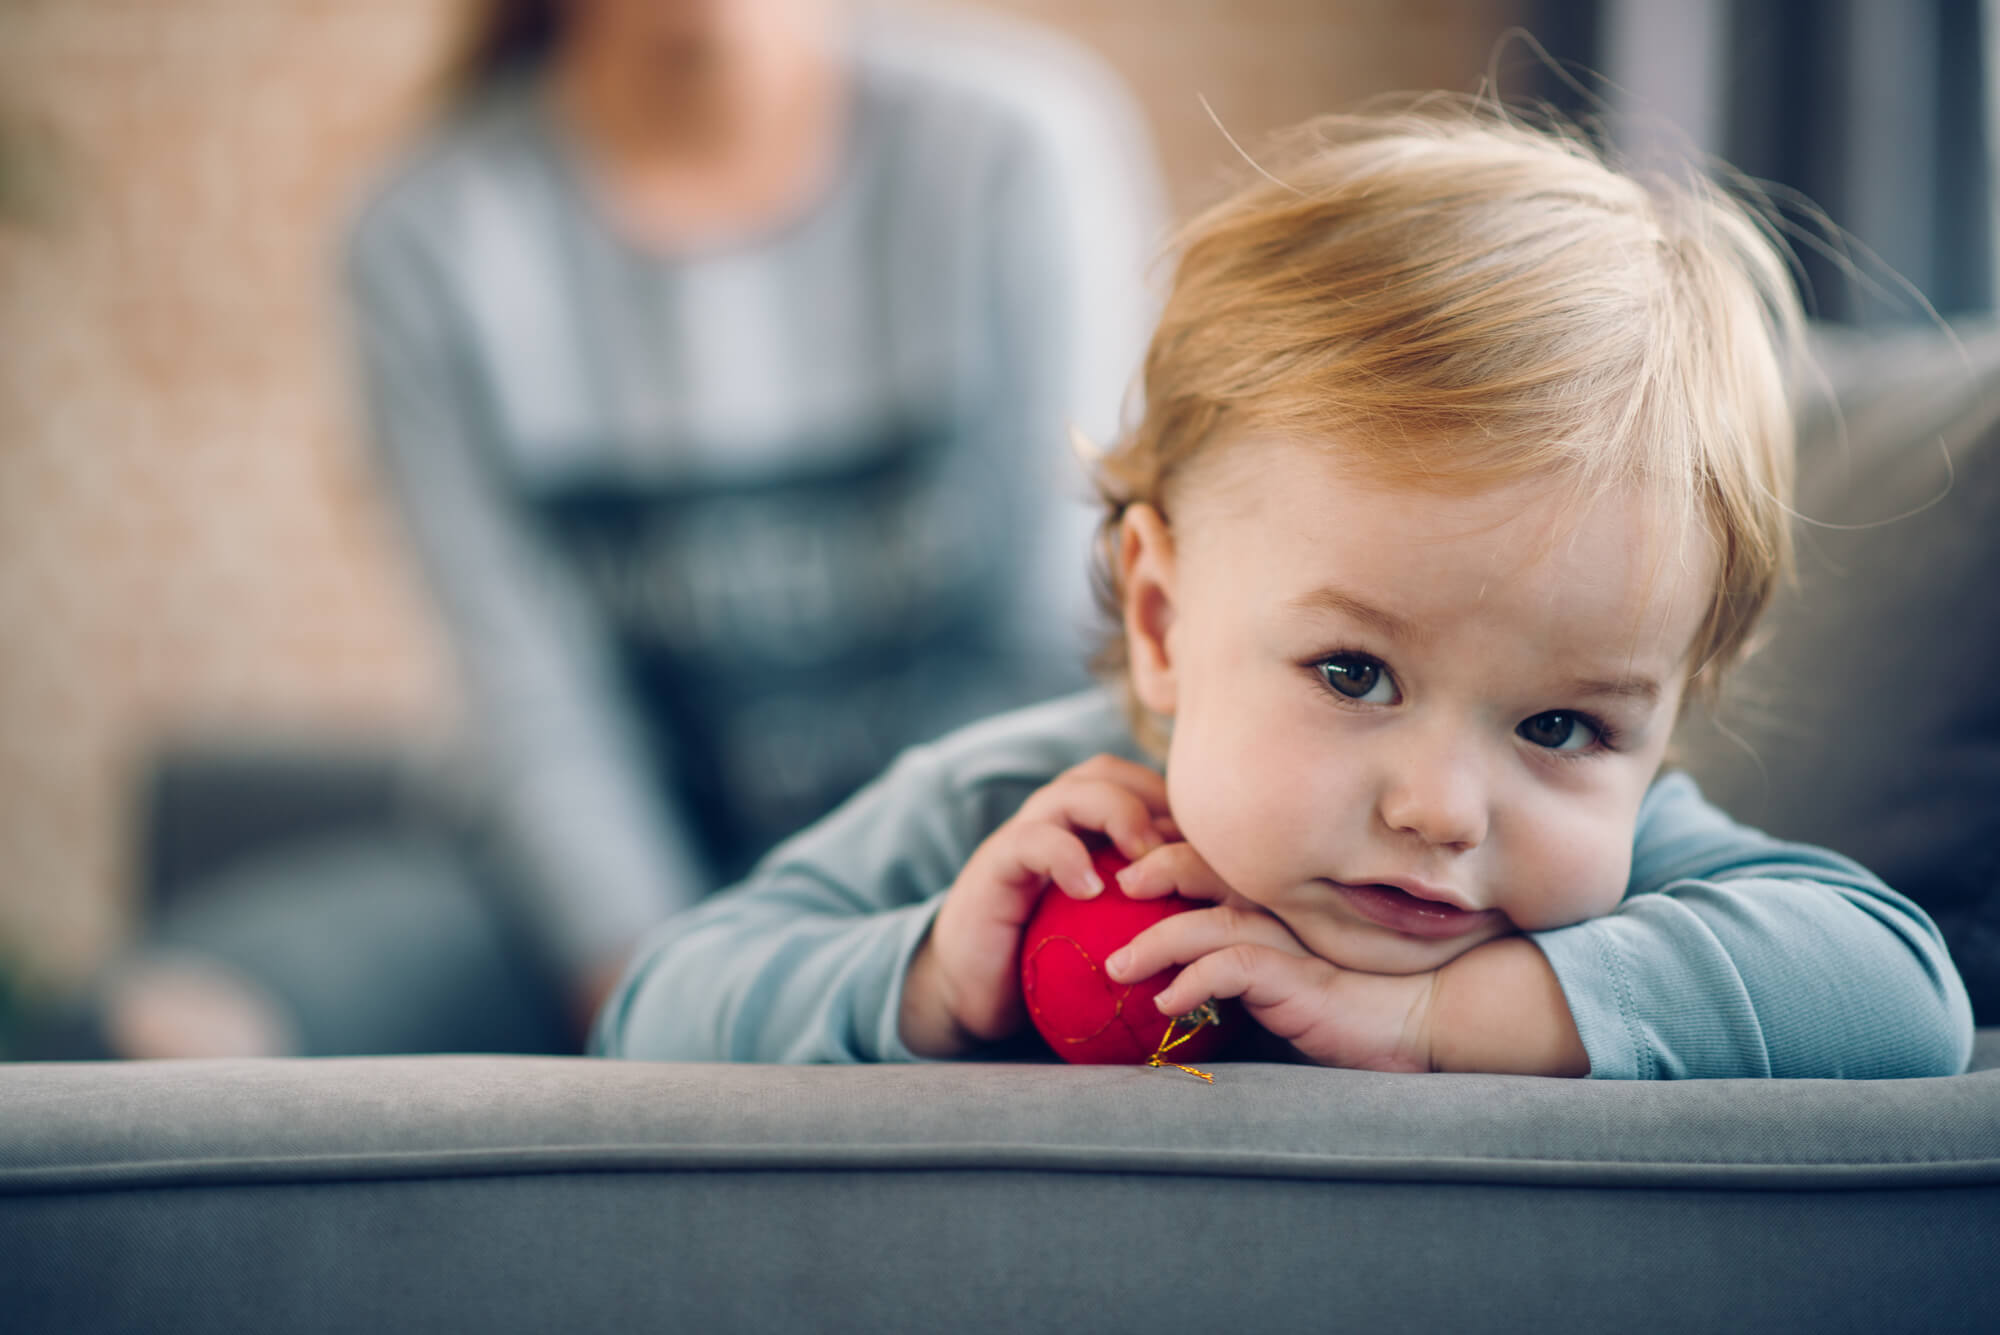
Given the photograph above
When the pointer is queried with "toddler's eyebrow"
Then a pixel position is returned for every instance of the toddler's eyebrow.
(1338, 602)
(1643, 689)
(1330, 600)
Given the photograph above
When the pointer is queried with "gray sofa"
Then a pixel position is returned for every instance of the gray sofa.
(529, 1193)
(537, 1194)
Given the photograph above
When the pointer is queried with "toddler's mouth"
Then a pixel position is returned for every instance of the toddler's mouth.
(1413, 915)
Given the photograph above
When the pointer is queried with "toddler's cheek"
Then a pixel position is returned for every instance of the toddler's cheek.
(1571, 881)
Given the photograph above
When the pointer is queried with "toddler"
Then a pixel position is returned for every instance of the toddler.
(1464, 461)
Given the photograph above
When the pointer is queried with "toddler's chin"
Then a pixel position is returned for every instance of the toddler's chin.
(1372, 950)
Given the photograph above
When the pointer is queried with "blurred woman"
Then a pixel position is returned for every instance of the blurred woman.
(722, 355)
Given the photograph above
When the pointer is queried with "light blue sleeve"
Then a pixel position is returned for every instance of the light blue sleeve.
(804, 961)
(1734, 954)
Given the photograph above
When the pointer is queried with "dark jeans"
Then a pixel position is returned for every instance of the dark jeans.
(372, 943)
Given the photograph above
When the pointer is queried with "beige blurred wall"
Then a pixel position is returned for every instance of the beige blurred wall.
(190, 540)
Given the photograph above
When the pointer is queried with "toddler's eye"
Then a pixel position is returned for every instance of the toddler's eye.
(1559, 730)
(1359, 677)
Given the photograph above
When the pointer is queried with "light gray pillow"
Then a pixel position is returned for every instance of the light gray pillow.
(1869, 720)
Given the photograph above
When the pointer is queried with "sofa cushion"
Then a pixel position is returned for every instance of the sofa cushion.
(537, 1193)
(1869, 721)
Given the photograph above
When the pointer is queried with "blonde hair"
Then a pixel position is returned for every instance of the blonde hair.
(1454, 298)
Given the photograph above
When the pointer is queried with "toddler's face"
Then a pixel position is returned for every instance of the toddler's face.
(1406, 721)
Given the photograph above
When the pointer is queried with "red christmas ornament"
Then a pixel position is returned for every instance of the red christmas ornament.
(1085, 1016)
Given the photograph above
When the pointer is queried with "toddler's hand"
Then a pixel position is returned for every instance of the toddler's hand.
(1333, 1016)
(964, 986)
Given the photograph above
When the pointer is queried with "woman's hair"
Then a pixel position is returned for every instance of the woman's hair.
(496, 39)
(1451, 298)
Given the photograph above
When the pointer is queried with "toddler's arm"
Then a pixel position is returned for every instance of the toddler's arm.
(889, 930)
(1734, 954)
(805, 961)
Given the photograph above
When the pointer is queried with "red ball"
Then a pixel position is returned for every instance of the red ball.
(1085, 1016)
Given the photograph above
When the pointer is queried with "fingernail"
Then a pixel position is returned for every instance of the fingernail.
(1093, 884)
(1119, 962)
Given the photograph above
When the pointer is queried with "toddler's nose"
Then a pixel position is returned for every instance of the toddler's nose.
(1435, 792)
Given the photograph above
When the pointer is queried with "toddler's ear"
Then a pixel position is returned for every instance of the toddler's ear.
(1146, 570)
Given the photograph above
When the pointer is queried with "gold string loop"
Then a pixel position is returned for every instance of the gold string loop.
(1203, 1014)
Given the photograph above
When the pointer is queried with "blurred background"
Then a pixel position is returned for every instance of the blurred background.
(194, 546)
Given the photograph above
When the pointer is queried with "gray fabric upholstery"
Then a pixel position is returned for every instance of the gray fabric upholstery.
(537, 1193)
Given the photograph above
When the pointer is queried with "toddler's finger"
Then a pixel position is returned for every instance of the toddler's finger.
(1172, 868)
(1042, 852)
(1145, 783)
(1189, 936)
(1259, 975)
(1099, 805)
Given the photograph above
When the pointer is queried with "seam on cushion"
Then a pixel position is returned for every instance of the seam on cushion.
(1832, 1175)
(833, 1153)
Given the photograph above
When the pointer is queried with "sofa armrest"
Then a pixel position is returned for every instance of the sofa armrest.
(533, 1193)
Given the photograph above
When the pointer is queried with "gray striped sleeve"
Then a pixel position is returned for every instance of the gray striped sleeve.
(603, 861)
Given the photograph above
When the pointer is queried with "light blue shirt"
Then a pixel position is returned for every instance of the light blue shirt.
(1732, 954)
